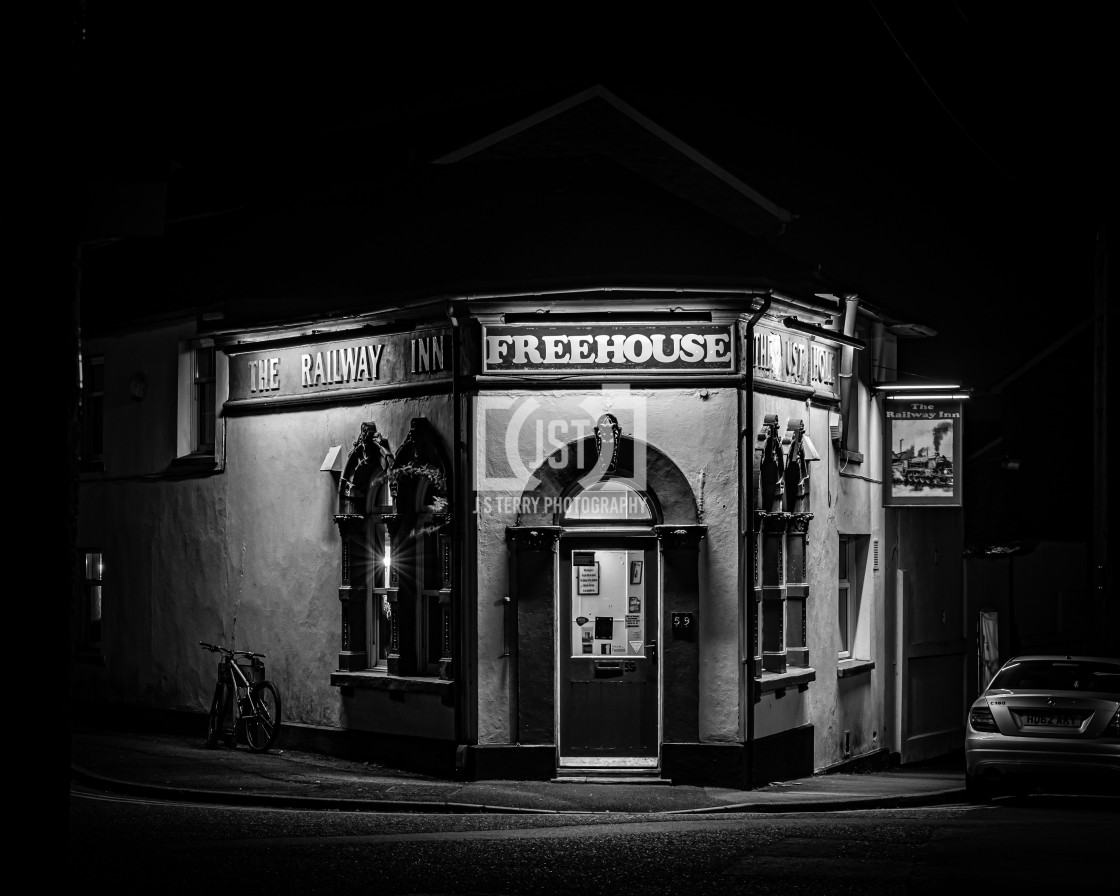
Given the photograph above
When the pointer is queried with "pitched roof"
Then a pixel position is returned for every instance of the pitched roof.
(596, 121)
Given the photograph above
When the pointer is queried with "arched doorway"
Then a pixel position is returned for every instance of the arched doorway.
(594, 679)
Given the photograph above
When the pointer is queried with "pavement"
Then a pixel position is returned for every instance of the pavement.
(180, 767)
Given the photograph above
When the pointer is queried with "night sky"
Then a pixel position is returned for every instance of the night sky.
(948, 160)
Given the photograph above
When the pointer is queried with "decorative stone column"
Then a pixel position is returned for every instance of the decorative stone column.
(797, 541)
(680, 658)
(772, 579)
(447, 648)
(797, 589)
(352, 596)
(533, 551)
(768, 534)
(401, 656)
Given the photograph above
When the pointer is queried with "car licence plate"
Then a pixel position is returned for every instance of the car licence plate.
(1052, 720)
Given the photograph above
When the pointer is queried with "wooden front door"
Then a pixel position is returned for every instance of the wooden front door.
(608, 665)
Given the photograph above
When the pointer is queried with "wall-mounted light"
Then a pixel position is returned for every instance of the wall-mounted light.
(926, 396)
(808, 449)
(792, 323)
(918, 387)
(333, 460)
(921, 391)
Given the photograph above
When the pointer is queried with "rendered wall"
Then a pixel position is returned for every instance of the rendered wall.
(248, 557)
(845, 498)
(698, 434)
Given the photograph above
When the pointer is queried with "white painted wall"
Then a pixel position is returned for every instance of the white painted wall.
(249, 557)
(699, 434)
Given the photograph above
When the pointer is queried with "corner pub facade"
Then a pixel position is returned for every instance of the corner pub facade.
(527, 532)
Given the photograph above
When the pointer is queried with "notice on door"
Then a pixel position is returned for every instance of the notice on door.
(606, 604)
(588, 579)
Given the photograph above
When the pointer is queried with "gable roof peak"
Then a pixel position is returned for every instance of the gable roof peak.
(599, 92)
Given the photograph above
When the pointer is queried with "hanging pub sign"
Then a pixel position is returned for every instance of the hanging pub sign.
(607, 348)
(921, 452)
(295, 372)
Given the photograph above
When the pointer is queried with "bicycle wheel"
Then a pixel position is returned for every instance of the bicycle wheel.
(263, 725)
(214, 725)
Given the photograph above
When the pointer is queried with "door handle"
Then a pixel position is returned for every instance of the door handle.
(651, 646)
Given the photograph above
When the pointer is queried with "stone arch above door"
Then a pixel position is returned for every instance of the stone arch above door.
(666, 488)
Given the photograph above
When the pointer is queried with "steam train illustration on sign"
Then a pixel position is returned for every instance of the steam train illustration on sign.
(923, 468)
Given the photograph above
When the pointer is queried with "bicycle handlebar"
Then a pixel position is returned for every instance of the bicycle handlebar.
(217, 647)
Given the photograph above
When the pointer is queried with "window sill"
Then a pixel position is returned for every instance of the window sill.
(848, 668)
(193, 463)
(776, 683)
(382, 681)
(851, 457)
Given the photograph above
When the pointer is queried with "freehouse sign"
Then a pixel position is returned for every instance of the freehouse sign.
(607, 348)
(303, 371)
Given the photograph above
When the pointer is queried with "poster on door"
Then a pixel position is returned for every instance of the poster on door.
(606, 604)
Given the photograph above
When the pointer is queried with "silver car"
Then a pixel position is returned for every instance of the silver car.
(1046, 720)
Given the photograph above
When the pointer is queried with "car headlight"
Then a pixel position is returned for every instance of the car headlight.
(981, 719)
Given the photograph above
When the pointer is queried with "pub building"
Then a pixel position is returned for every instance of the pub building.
(575, 523)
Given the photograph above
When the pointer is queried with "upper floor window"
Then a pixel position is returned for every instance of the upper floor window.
(202, 369)
(205, 382)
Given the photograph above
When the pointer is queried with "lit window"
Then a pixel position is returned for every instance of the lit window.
(378, 576)
(854, 633)
(89, 623)
(408, 578)
(844, 597)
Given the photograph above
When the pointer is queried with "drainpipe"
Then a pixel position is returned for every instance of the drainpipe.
(746, 562)
(460, 627)
(849, 413)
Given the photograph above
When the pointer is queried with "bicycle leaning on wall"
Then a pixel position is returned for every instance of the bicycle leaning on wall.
(243, 695)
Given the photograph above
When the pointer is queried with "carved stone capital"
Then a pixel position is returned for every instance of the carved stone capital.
(799, 522)
(533, 538)
(393, 523)
(349, 522)
(680, 538)
(770, 522)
